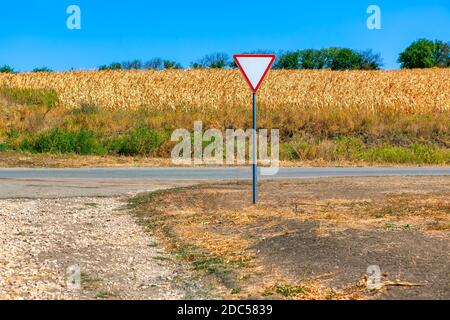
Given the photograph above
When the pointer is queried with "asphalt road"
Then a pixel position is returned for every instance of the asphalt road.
(48, 183)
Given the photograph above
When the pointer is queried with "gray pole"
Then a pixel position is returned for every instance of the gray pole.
(255, 155)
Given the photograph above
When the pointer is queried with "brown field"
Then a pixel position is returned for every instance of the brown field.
(310, 239)
(406, 91)
(416, 91)
(396, 117)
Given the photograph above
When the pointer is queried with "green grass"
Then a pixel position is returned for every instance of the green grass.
(204, 261)
(81, 142)
(144, 141)
(136, 142)
(40, 125)
(389, 227)
(353, 149)
(289, 291)
(394, 227)
(267, 293)
(236, 290)
(44, 97)
(416, 153)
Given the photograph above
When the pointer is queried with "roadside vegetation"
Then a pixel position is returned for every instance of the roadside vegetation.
(35, 121)
(355, 114)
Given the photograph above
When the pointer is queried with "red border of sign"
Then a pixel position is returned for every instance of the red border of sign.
(254, 56)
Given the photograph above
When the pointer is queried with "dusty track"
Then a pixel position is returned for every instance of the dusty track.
(41, 238)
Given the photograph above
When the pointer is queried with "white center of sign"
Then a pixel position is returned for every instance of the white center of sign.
(254, 68)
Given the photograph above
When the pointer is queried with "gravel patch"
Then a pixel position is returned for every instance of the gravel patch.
(49, 246)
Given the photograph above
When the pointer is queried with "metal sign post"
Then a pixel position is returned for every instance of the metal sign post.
(254, 67)
(255, 153)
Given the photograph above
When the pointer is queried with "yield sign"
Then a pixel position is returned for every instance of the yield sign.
(254, 67)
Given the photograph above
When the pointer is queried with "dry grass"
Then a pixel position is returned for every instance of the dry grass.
(220, 220)
(210, 91)
(49, 160)
(328, 116)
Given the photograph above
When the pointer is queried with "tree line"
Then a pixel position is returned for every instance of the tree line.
(332, 58)
(422, 53)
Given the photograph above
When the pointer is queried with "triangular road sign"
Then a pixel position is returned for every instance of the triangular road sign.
(254, 67)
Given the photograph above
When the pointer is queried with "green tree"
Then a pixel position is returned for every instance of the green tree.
(370, 60)
(43, 69)
(216, 60)
(330, 58)
(132, 65)
(288, 60)
(154, 64)
(6, 69)
(233, 64)
(442, 54)
(343, 59)
(112, 66)
(420, 54)
(169, 64)
(312, 59)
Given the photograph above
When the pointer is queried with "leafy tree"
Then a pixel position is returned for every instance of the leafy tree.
(312, 59)
(112, 66)
(6, 69)
(216, 60)
(132, 65)
(169, 64)
(330, 58)
(344, 59)
(43, 69)
(442, 54)
(288, 60)
(154, 64)
(233, 64)
(370, 60)
(420, 54)
(328, 55)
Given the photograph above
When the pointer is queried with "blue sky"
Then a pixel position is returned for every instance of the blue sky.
(34, 33)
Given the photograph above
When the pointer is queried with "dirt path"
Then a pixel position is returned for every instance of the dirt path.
(41, 238)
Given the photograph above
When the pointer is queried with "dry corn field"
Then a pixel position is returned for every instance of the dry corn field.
(405, 91)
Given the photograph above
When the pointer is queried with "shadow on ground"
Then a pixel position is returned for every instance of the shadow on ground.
(404, 255)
